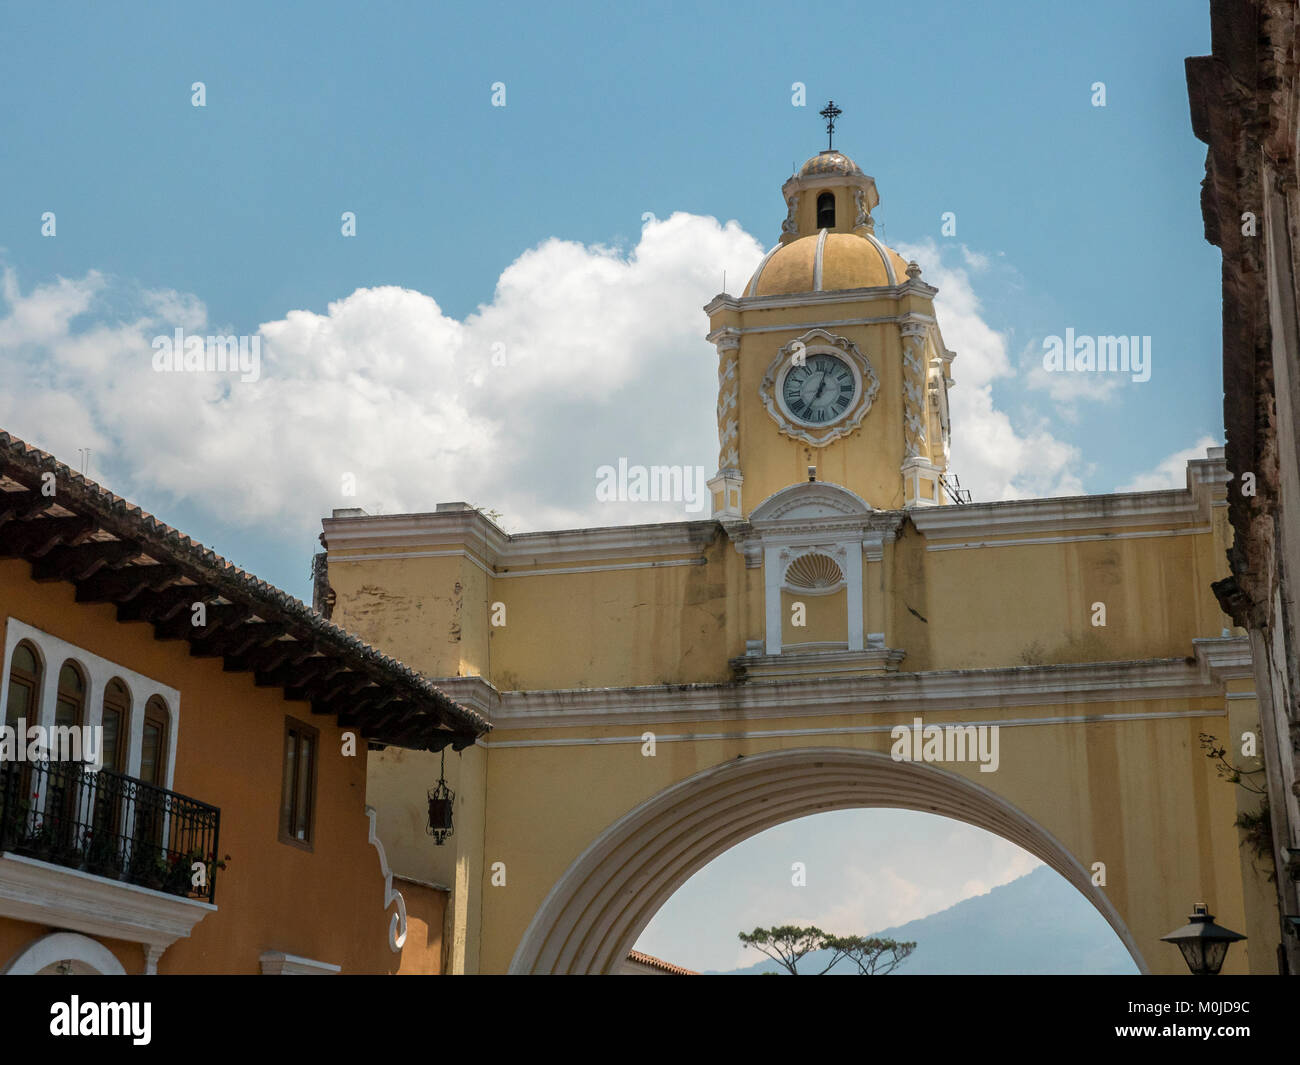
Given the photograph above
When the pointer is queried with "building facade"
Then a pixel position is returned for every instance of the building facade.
(1245, 103)
(661, 692)
(183, 760)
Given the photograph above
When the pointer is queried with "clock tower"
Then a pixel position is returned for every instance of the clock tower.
(831, 365)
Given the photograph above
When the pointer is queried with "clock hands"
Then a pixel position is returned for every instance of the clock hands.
(815, 404)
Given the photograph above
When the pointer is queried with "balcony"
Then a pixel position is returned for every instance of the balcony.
(109, 825)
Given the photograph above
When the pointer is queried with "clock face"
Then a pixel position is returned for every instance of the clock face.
(819, 391)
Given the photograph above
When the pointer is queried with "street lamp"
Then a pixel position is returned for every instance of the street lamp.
(1204, 944)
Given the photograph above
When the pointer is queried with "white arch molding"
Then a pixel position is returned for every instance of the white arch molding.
(85, 956)
(593, 915)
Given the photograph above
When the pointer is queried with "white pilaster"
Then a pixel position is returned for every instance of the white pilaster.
(772, 579)
(853, 580)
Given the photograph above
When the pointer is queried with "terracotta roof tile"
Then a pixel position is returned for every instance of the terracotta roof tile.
(659, 963)
(201, 564)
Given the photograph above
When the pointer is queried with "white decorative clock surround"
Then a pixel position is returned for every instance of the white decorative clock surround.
(814, 342)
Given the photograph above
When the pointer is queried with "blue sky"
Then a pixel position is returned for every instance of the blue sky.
(524, 225)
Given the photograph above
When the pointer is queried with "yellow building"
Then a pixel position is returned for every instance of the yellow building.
(842, 632)
(196, 803)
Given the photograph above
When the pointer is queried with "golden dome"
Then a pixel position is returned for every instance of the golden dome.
(830, 162)
(827, 262)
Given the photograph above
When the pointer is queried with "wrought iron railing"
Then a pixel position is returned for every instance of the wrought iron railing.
(110, 825)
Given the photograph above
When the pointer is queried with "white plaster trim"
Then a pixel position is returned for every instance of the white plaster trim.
(817, 261)
(598, 907)
(829, 695)
(525, 573)
(753, 281)
(469, 533)
(1223, 658)
(1166, 506)
(278, 963)
(1206, 481)
(828, 323)
(600, 569)
(396, 939)
(340, 559)
(98, 672)
(853, 730)
(43, 893)
(798, 299)
(889, 266)
(824, 660)
(1082, 538)
(64, 946)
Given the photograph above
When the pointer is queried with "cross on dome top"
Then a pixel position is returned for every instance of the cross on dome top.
(830, 112)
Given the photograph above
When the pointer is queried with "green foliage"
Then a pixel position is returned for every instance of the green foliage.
(1257, 826)
(787, 945)
(1233, 774)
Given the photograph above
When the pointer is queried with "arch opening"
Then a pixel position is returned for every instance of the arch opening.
(826, 210)
(65, 953)
(593, 915)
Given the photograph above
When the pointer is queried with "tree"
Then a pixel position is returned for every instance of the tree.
(788, 944)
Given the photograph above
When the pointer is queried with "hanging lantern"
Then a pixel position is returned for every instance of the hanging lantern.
(440, 800)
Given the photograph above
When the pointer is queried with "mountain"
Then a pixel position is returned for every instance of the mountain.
(1038, 925)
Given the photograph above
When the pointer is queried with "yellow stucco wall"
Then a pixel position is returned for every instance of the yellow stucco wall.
(682, 624)
(1137, 795)
(1134, 788)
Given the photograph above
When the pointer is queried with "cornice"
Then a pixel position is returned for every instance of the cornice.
(828, 695)
(278, 963)
(911, 287)
(1224, 658)
(822, 664)
(827, 323)
(1163, 510)
(468, 532)
(47, 894)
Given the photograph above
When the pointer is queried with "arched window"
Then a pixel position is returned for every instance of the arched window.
(116, 722)
(826, 210)
(70, 706)
(153, 749)
(24, 686)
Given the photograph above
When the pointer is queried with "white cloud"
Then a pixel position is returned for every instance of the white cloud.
(604, 355)
(995, 458)
(1067, 390)
(605, 359)
(977, 261)
(1170, 472)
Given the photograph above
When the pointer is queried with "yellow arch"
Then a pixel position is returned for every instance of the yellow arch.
(593, 915)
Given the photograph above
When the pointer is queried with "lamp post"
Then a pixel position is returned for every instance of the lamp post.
(1204, 944)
